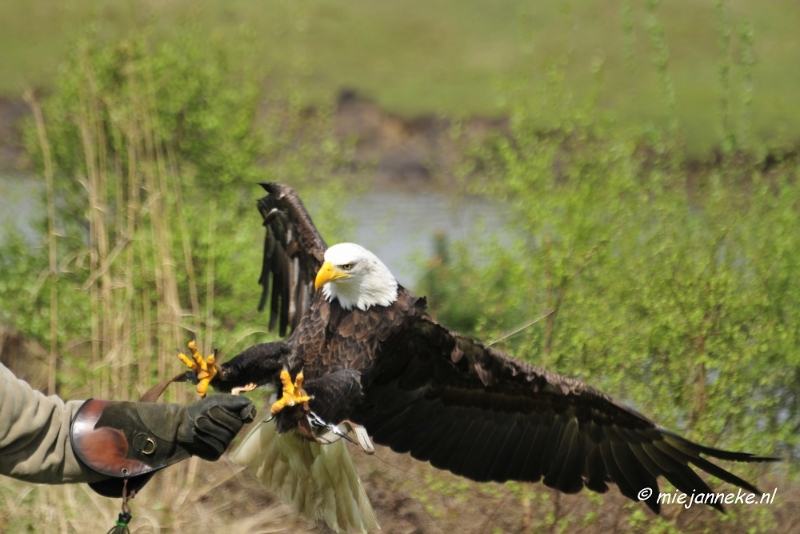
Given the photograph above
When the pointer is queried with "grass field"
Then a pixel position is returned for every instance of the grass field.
(451, 56)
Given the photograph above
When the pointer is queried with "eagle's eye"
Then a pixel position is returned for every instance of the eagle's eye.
(347, 266)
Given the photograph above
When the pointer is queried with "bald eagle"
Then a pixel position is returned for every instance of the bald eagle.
(364, 350)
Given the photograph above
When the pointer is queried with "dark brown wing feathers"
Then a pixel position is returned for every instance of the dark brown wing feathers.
(293, 253)
(477, 412)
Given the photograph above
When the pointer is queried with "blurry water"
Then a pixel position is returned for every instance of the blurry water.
(399, 227)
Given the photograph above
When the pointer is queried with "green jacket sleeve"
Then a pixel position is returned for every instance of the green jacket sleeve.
(34, 435)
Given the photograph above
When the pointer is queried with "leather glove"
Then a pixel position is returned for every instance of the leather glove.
(132, 440)
(204, 428)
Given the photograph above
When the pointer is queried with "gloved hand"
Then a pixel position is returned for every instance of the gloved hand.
(211, 424)
(131, 439)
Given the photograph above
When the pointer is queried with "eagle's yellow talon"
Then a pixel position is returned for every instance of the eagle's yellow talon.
(205, 368)
(293, 393)
(185, 359)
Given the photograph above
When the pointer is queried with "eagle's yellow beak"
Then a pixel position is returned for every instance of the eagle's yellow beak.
(328, 273)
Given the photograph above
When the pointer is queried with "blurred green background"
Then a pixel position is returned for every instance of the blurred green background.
(452, 56)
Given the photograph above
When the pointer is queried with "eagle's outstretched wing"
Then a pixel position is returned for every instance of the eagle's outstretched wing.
(451, 401)
(293, 253)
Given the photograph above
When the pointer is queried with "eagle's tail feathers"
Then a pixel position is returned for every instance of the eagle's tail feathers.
(319, 480)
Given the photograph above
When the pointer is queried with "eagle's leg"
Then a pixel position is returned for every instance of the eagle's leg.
(335, 396)
(206, 369)
(293, 393)
(331, 400)
(259, 365)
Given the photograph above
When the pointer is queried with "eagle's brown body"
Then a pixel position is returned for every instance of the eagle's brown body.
(419, 387)
(330, 339)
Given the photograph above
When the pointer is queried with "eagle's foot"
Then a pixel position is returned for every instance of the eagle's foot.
(293, 393)
(205, 369)
(244, 389)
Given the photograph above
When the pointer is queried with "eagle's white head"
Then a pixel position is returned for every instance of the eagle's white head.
(356, 277)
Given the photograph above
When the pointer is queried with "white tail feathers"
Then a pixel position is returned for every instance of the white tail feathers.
(319, 480)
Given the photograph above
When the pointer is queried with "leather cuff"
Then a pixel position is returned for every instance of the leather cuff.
(111, 439)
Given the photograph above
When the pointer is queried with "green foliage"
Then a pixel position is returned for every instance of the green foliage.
(199, 100)
(19, 269)
(447, 282)
(156, 153)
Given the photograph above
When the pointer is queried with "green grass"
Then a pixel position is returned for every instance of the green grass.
(451, 56)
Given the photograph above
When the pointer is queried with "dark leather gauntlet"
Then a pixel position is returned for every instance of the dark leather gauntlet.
(132, 440)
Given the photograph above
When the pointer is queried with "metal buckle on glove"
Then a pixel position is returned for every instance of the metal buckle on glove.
(144, 443)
